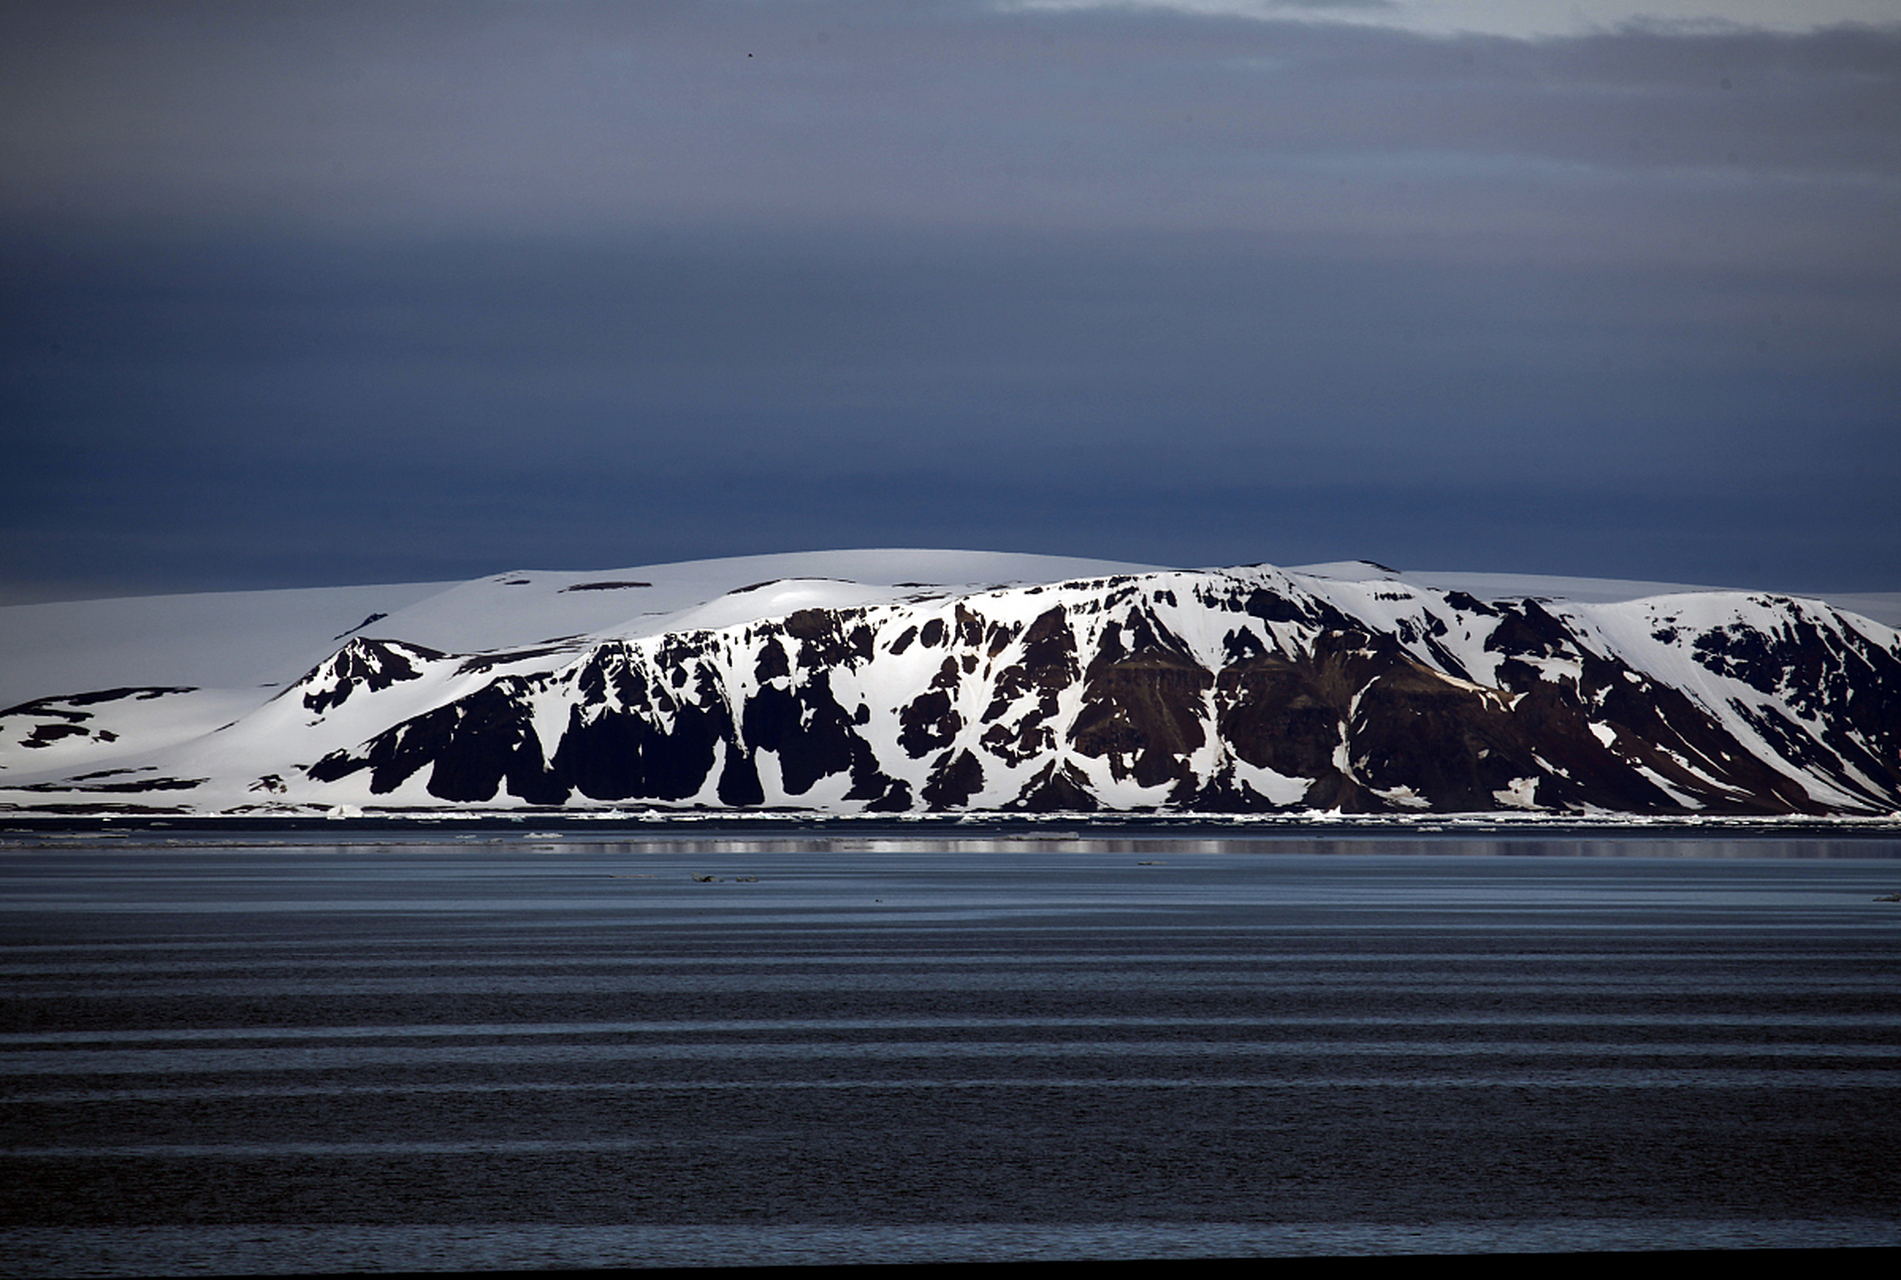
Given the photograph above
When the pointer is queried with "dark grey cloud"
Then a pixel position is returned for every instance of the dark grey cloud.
(507, 118)
(344, 292)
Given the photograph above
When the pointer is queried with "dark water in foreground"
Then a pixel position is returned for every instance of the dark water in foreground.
(522, 1051)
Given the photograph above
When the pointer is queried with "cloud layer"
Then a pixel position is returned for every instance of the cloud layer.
(341, 292)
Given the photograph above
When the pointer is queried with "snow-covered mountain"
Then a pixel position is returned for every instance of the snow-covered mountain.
(913, 681)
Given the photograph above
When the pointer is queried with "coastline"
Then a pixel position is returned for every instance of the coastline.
(1040, 827)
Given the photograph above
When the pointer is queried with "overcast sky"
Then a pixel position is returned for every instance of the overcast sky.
(323, 293)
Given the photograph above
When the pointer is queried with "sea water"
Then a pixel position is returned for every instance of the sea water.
(405, 1052)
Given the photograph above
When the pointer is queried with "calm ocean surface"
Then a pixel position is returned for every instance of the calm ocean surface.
(255, 1054)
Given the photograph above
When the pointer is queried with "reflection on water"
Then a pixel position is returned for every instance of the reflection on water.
(550, 1049)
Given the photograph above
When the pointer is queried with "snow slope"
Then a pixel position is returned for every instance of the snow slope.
(253, 638)
(890, 681)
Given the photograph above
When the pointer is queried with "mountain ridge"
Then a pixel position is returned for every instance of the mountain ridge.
(1245, 690)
